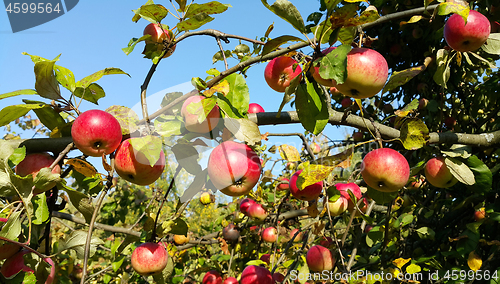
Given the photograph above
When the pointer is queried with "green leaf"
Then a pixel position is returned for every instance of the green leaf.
(46, 180)
(490, 64)
(179, 227)
(482, 174)
(92, 93)
(374, 236)
(127, 118)
(150, 146)
(81, 202)
(459, 150)
(12, 229)
(446, 8)
(277, 42)
(47, 115)
(76, 241)
(194, 23)
(442, 74)
(18, 93)
(209, 8)
(85, 82)
(46, 83)
(41, 209)
(334, 64)
(347, 35)
(492, 45)
(153, 13)
(187, 156)
(414, 134)
(244, 130)
(460, 171)
(198, 83)
(288, 12)
(311, 109)
(235, 103)
(381, 197)
(133, 42)
(18, 155)
(37, 59)
(118, 263)
(11, 113)
(65, 77)
(426, 233)
(166, 126)
(399, 78)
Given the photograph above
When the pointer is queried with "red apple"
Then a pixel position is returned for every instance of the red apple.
(234, 168)
(315, 72)
(417, 33)
(256, 211)
(450, 122)
(266, 258)
(256, 275)
(479, 214)
(422, 103)
(212, 277)
(368, 228)
(344, 189)
(149, 258)
(326, 242)
(308, 193)
(245, 204)
(230, 280)
(33, 163)
(96, 133)
(280, 72)
(134, 167)
(231, 233)
(385, 170)
(357, 136)
(255, 108)
(346, 102)
(319, 258)
(316, 148)
(270, 235)
(438, 174)
(417, 183)
(338, 207)
(15, 264)
(283, 183)
(297, 238)
(158, 35)
(192, 115)
(278, 277)
(367, 72)
(334, 92)
(467, 37)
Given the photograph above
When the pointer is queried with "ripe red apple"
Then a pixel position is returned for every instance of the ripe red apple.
(344, 189)
(134, 167)
(256, 275)
(158, 35)
(33, 163)
(283, 183)
(338, 207)
(234, 168)
(231, 233)
(278, 277)
(422, 103)
(230, 280)
(280, 72)
(212, 277)
(297, 238)
(15, 264)
(149, 258)
(315, 72)
(191, 116)
(385, 170)
(245, 204)
(96, 132)
(319, 258)
(438, 174)
(417, 183)
(367, 72)
(450, 122)
(270, 235)
(308, 193)
(346, 102)
(316, 148)
(181, 239)
(256, 211)
(266, 258)
(479, 214)
(467, 37)
(255, 108)
(326, 242)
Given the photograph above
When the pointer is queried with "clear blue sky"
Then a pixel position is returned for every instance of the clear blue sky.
(90, 38)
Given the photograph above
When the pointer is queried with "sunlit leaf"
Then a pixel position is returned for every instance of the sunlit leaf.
(82, 166)
(313, 174)
(18, 93)
(85, 82)
(288, 12)
(289, 153)
(446, 8)
(13, 112)
(277, 42)
(153, 13)
(243, 130)
(221, 87)
(399, 78)
(474, 261)
(46, 84)
(492, 45)
(76, 241)
(127, 118)
(460, 171)
(414, 134)
(407, 109)
(150, 146)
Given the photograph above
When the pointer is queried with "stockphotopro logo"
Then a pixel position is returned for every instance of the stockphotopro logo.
(27, 14)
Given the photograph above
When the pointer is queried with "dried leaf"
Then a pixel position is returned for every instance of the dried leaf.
(82, 166)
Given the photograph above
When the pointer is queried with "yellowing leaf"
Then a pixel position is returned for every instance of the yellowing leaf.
(289, 153)
(313, 174)
(400, 262)
(221, 87)
(414, 134)
(82, 166)
(312, 209)
(413, 268)
(474, 261)
(413, 19)
(413, 105)
(342, 159)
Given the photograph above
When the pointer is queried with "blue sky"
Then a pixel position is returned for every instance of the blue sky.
(90, 38)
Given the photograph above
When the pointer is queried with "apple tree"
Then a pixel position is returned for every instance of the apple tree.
(410, 196)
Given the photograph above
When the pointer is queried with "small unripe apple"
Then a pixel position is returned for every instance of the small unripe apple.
(283, 183)
(231, 233)
(181, 239)
(280, 72)
(319, 258)
(479, 214)
(270, 235)
(255, 108)
(212, 277)
(230, 280)
(256, 275)
(149, 258)
(207, 198)
(192, 110)
(385, 170)
(245, 204)
(438, 174)
(133, 166)
(256, 211)
(96, 133)
(297, 238)
(33, 163)
(338, 207)
(467, 37)
(422, 103)
(308, 193)
(417, 33)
